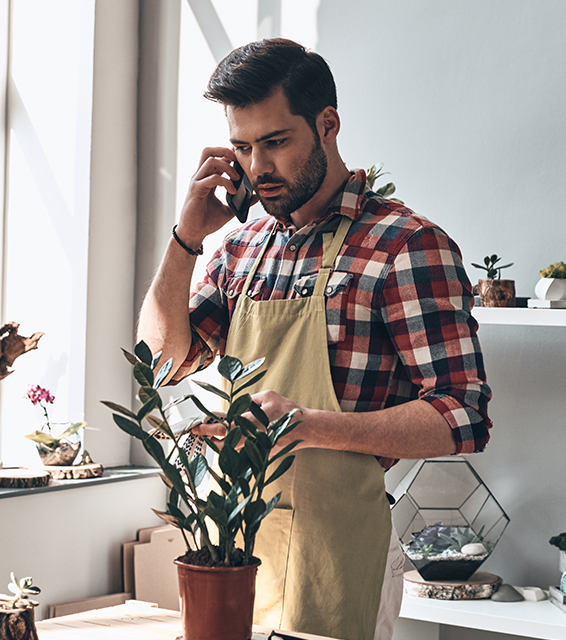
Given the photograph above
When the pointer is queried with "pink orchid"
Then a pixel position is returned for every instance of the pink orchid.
(37, 394)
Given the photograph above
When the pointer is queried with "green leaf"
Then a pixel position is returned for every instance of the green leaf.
(238, 407)
(42, 438)
(163, 373)
(131, 428)
(250, 382)
(177, 401)
(154, 449)
(386, 190)
(281, 469)
(259, 414)
(70, 431)
(232, 438)
(145, 394)
(250, 368)
(148, 407)
(159, 425)
(130, 357)
(239, 507)
(212, 389)
(211, 444)
(247, 426)
(286, 449)
(143, 352)
(230, 368)
(169, 519)
(478, 266)
(202, 408)
(229, 462)
(216, 500)
(143, 374)
(254, 455)
(198, 468)
(219, 516)
(155, 359)
(253, 511)
(505, 266)
(116, 407)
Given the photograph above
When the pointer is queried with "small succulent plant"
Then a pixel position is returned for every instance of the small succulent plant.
(436, 538)
(559, 541)
(21, 590)
(387, 190)
(493, 272)
(556, 270)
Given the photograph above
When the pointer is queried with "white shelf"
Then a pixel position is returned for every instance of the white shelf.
(520, 316)
(532, 619)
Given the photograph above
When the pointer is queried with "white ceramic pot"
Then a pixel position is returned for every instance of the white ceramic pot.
(562, 562)
(551, 289)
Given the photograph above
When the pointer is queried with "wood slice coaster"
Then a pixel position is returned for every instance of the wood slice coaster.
(23, 478)
(481, 585)
(75, 472)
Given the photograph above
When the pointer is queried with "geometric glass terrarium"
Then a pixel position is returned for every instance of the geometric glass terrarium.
(447, 519)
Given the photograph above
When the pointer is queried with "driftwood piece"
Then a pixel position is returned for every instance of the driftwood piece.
(23, 479)
(12, 345)
(75, 472)
(17, 624)
(497, 293)
(480, 586)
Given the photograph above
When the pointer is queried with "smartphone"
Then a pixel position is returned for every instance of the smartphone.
(240, 202)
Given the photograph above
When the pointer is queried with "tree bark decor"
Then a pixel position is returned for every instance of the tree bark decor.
(497, 293)
(13, 345)
(17, 624)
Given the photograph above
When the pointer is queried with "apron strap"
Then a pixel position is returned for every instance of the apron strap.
(331, 248)
(257, 261)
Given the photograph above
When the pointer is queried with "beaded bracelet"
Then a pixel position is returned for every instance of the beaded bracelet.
(190, 251)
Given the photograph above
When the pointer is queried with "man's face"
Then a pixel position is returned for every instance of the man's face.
(279, 152)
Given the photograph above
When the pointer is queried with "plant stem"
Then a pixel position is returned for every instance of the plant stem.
(46, 416)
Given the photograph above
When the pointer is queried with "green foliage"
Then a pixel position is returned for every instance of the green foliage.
(559, 541)
(493, 272)
(556, 270)
(387, 190)
(245, 463)
(42, 437)
(21, 590)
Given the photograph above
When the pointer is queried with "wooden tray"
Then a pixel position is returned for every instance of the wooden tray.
(481, 585)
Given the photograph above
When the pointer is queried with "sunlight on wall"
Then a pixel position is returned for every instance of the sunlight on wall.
(202, 123)
(50, 102)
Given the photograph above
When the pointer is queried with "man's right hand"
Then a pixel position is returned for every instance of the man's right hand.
(202, 212)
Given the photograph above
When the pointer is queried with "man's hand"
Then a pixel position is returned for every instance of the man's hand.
(273, 405)
(202, 212)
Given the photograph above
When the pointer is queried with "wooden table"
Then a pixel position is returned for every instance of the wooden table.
(130, 621)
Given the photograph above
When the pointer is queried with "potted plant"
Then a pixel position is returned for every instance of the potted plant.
(216, 578)
(493, 291)
(16, 611)
(53, 450)
(552, 285)
(560, 542)
(387, 190)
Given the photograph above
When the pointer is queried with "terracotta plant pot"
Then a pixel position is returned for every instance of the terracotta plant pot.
(497, 293)
(217, 603)
(17, 624)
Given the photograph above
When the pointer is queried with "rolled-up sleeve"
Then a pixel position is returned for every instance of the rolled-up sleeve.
(426, 302)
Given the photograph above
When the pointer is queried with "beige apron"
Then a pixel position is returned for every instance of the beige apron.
(324, 548)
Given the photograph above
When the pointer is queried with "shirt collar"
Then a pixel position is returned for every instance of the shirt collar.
(347, 202)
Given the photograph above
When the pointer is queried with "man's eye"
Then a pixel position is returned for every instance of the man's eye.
(242, 149)
(276, 143)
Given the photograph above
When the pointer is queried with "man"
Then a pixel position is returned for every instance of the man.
(361, 309)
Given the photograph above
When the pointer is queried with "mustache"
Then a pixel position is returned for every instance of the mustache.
(268, 179)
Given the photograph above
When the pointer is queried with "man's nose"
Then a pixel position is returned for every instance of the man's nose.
(260, 163)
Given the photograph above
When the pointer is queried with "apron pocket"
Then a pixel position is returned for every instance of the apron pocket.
(272, 546)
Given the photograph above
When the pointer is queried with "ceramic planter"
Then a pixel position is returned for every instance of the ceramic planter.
(217, 602)
(17, 624)
(562, 562)
(551, 289)
(497, 293)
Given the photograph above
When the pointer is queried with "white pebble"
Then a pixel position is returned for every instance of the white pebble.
(474, 549)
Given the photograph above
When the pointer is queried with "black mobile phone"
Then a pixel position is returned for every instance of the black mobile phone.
(240, 202)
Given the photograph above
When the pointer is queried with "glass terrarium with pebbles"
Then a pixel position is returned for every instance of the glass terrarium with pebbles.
(447, 519)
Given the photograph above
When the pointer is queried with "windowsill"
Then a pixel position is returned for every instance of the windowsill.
(110, 474)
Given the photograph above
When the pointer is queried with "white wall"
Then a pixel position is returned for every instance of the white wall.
(464, 102)
(69, 541)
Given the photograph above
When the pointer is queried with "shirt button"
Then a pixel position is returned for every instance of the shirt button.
(292, 248)
(250, 294)
(304, 292)
(231, 292)
(329, 290)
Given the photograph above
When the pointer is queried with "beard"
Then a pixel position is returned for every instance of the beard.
(307, 180)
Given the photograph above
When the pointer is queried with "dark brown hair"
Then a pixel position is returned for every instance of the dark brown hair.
(255, 71)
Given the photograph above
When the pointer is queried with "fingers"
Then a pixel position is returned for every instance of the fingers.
(215, 429)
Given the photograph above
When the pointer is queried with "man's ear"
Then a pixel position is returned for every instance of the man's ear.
(328, 124)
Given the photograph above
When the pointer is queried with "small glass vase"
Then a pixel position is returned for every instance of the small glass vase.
(62, 455)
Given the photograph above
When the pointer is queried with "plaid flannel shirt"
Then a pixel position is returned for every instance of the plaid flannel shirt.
(397, 306)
